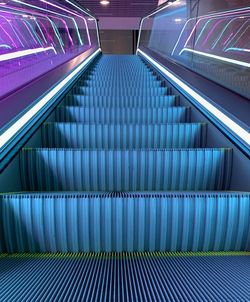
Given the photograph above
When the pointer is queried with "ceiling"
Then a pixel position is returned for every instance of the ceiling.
(120, 8)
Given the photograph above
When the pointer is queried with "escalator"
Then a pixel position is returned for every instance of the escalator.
(124, 201)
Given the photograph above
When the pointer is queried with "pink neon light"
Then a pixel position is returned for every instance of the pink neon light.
(228, 39)
(12, 28)
(209, 16)
(20, 34)
(13, 42)
(211, 31)
(74, 14)
(30, 31)
(193, 30)
(45, 29)
(67, 29)
(238, 31)
(44, 16)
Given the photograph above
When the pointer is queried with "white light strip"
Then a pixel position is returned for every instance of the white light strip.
(224, 119)
(238, 49)
(23, 53)
(15, 128)
(223, 59)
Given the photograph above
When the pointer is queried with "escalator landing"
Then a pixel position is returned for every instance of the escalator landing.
(222, 276)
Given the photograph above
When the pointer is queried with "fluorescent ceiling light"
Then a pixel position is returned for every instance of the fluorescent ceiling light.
(104, 2)
(19, 124)
(223, 118)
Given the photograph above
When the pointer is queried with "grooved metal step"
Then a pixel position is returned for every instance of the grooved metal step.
(125, 170)
(141, 91)
(122, 85)
(123, 136)
(153, 221)
(125, 277)
(124, 101)
(125, 115)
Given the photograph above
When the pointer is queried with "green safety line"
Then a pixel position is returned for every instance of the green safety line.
(123, 255)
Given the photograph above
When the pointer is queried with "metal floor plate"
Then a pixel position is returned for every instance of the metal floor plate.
(125, 277)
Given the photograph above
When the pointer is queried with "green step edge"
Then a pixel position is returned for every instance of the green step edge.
(124, 255)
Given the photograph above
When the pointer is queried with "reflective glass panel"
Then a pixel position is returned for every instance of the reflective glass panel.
(210, 37)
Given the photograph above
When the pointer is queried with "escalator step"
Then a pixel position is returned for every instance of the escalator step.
(124, 101)
(123, 176)
(125, 170)
(125, 277)
(118, 78)
(134, 85)
(95, 222)
(123, 136)
(122, 115)
(110, 91)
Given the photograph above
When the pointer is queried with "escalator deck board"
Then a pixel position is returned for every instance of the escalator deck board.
(125, 277)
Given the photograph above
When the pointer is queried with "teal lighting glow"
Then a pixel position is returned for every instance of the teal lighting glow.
(51, 12)
(223, 59)
(215, 112)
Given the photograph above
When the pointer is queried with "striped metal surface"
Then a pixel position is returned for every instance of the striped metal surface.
(125, 170)
(120, 91)
(140, 78)
(122, 115)
(122, 85)
(97, 222)
(125, 277)
(123, 136)
(124, 101)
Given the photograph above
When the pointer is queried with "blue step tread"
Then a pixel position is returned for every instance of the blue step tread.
(133, 85)
(126, 277)
(129, 78)
(123, 136)
(122, 115)
(124, 101)
(121, 91)
(125, 170)
(153, 221)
